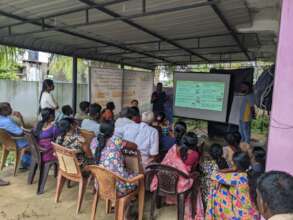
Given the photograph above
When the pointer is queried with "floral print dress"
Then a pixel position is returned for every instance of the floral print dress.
(229, 198)
(75, 142)
(113, 160)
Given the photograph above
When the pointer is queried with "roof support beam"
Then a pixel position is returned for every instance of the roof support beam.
(66, 12)
(85, 56)
(175, 50)
(150, 32)
(75, 34)
(197, 37)
(230, 29)
(184, 55)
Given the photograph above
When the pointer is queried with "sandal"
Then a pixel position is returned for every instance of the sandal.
(3, 183)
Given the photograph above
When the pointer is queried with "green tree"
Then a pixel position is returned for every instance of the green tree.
(8, 62)
(61, 68)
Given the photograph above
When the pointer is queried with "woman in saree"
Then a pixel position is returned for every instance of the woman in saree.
(46, 132)
(229, 195)
(184, 157)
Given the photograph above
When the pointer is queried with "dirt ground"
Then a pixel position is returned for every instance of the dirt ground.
(19, 201)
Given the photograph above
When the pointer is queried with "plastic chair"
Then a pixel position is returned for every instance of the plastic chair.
(167, 186)
(106, 181)
(133, 163)
(37, 163)
(133, 160)
(69, 169)
(87, 135)
(9, 144)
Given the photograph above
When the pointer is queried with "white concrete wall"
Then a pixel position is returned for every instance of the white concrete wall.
(24, 96)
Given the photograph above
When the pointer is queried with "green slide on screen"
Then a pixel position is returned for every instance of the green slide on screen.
(204, 95)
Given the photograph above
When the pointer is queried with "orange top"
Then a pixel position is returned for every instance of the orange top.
(108, 115)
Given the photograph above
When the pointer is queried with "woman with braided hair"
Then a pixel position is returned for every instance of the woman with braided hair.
(46, 132)
(70, 137)
(184, 156)
(108, 153)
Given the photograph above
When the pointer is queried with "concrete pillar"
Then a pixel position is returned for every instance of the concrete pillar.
(280, 143)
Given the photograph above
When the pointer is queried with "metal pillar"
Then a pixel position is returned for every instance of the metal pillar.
(123, 85)
(74, 84)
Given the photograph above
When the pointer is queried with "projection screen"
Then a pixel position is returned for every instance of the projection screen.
(201, 96)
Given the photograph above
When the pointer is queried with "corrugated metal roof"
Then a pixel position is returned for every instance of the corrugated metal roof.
(162, 32)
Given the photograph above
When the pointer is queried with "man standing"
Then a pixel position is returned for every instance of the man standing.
(247, 112)
(158, 100)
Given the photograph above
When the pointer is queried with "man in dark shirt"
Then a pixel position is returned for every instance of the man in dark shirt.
(159, 98)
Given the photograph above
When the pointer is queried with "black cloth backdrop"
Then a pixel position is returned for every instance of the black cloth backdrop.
(237, 77)
(263, 89)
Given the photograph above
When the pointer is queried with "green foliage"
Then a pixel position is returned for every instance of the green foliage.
(6, 74)
(8, 62)
(261, 124)
(61, 68)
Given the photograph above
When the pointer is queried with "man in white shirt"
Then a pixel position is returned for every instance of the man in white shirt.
(124, 118)
(92, 124)
(144, 136)
(275, 195)
(147, 139)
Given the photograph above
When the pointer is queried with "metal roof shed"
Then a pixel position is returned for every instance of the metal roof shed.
(143, 33)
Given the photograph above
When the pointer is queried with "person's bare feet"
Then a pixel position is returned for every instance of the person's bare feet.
(3, 183)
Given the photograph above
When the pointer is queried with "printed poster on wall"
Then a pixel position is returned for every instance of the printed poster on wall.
(138, 85)
(106, 85)
(111, 84)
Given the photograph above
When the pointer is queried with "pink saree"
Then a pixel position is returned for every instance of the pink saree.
(173, 159)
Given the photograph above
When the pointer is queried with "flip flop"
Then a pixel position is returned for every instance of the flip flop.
(3, 183)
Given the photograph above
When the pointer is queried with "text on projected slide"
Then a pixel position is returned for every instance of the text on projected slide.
(200, 95)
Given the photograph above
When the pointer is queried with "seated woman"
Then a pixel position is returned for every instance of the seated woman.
(109, 155)
(108, 113)
(92, 123)
(184, 157)
(233, 142)
(166, 142)
(229, 195)
(46, 132)
(162, 124)
(210, 164)
(84, 111)
(135, 114)
(69, 137)
(257, 168)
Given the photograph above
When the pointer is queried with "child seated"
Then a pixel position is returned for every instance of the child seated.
(209, 166)
(66, 112)
(84, 111)
(233, 141)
